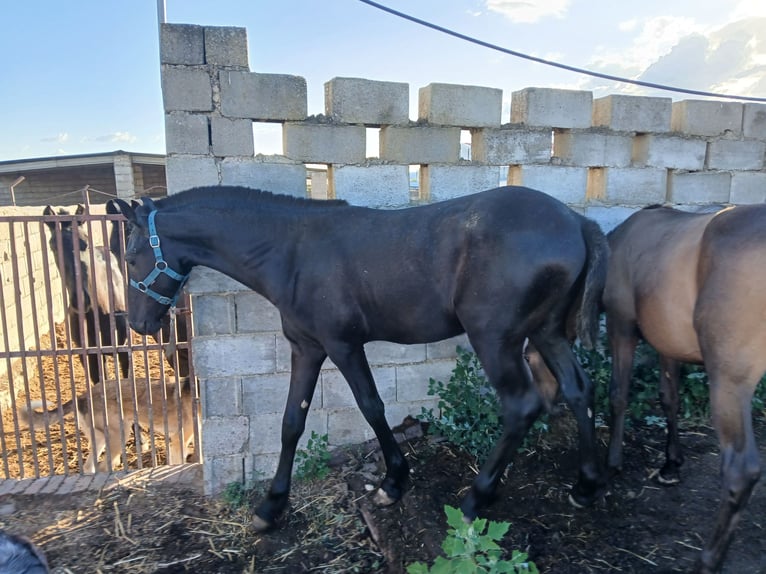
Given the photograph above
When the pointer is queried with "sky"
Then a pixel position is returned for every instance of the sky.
(84, 77)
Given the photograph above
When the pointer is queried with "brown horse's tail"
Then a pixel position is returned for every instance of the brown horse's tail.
(30, 415)
(593, 286)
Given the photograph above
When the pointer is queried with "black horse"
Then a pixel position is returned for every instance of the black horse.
(96, 301)
(502, 265)
(171, 331)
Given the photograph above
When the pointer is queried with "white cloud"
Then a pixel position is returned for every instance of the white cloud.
(528, 11)
(62, 137)
(117, 137)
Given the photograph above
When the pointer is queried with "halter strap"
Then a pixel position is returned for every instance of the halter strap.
(160, 267)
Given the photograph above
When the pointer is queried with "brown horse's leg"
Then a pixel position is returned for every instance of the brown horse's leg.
(623, 339)
(520, 405)
(740, 466)
(305, 365)
(670, 371)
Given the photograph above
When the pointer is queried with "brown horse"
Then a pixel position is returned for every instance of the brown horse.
(689, 285)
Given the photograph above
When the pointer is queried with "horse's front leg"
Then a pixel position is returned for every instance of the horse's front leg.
(352, 363)
(305, 366)
(670, 371)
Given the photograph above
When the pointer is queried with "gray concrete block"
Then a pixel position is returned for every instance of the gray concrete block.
(385, 353)
(226, 46)
(313, 142)
(186, 90)
(567, 184)
(182, 44)
(673, 152)
(232, 137)
(268, 173)
(707, 118)
(699, 187)
(233, 355)
(255, 313)
(347, 426)
(185, 172)
(186, 134)
(748, 187)
(359, 101)
(419, 144)
(220, 471)
(265, 466)
(266, 435)
(267, 394)
(383, 185)
(263, 97)
(221, 396)
(608, 216)
(754, 121)
(213, 315)
(592, 148)
(458, 105)
(222, 436)
(633, 113)
(736, 154)
(206, 281)
(336, 393)
(440, 182)
(552, 108)
(512, 145)
(412, 380)
(447, 349)
(627, 186)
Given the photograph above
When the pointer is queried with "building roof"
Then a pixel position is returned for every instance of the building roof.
(59, 161)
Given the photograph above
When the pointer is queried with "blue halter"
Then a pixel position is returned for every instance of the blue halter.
(160, 267)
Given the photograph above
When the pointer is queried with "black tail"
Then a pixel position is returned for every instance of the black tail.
(593, 287)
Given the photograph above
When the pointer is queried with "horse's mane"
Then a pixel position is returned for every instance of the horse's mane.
(235, 197)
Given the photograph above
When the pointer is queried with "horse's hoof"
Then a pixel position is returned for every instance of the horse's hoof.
(669, 480)
(261, 525)
(382, 498)
(574, 502)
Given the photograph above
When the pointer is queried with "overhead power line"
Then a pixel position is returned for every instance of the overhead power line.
(555, 64)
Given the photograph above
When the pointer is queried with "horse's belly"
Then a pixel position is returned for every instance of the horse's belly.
(671, 332)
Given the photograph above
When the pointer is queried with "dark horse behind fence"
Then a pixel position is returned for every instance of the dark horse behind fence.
(91, 308)
(501, 265)
(172, 331)
(689, 284)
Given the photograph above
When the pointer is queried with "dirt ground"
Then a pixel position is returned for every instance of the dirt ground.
(331, 526)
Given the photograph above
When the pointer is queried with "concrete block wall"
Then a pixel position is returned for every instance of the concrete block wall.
(605, 157)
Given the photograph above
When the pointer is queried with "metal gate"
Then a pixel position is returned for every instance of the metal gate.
(72, 373)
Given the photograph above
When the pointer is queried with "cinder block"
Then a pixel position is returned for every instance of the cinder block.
(220, 471)
(506, 146)
(232, 137)
(213, 315)
(185, 172)
(592, 148)
(440, 182)
(266, 434)
(707, 118)
(447, 349)
(268, 173)
(748, 187)
(186, 90)
(567, 184)
(397, 412)
(313, 142)
(754, 121)
(263, 97)
(267, 394)
(370, 185)
(206, 281)
(700, 187)
(633, 113)
(182, 44)
(412, 380)
(627, 186)
(213, 389)
(609, 216)
(419, 144)
(232, 355)
(264, 465)
(358, 101)
(226, 46)
(463, 106)
(222, 436)
(385, 353)
(736, 154)
(255, 313)
(336, 393)
(673, 152)
(552, 108)
(347, 426)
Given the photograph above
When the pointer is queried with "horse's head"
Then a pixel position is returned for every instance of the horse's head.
(69, 245)
(155, 273)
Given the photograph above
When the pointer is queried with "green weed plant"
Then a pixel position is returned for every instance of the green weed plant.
(313, 462)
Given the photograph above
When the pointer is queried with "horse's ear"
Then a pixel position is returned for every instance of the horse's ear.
(112, 208)
(49, 211)
(149, 203)
(80, 209)
(127, 209)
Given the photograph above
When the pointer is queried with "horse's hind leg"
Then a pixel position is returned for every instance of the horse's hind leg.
(578, 392)
(305, 364)
(623, 338)
(670, 371)
(520, 405)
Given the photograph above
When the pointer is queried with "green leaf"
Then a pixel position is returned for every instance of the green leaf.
(454, 517)
(417, 568)
(497, 530)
